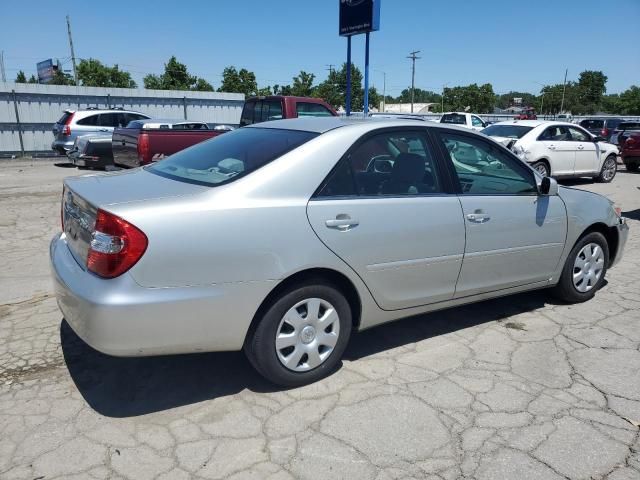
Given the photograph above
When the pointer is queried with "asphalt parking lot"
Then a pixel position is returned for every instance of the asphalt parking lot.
(515, 388)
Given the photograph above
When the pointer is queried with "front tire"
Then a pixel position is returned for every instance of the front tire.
(301, 336)
(609, 169)
(541, 167)
(584, 270)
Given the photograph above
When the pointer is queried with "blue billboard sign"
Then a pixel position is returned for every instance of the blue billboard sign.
(359, 16)
(45, 71)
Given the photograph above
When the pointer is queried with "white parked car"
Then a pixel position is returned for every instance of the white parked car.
(557, 149)
(464, 119)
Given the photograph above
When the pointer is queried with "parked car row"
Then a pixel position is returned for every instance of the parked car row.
(94, 138)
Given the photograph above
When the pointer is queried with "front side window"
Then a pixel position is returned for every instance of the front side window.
(485, 169)
(388, 164)
(558, 133)
(476, 122)
(232, 155)
(592, 124)
(307, 109)
(578, 135)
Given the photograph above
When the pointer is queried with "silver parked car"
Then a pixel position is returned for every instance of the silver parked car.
(283, 238)
(74, 123)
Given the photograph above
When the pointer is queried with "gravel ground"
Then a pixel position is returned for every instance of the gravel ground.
(515, 388)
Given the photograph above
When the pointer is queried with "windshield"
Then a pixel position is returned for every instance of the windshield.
(230, 156)
(507, 131)
(455, 118)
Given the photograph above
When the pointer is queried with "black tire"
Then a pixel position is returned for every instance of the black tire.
(565, 290)
(260, 346)
(542, 167)
(632, 167)
(605, 175)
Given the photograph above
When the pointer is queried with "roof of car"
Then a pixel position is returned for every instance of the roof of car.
(325, 124)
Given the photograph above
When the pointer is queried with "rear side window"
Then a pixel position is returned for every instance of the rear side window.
(455, 118)
(592, 124)
(230, 156)
(613, 123)
(90, 120)
(247, 114)
(307, 109)
(109, 119)
(629, 126)
(130, 117)
(65, 116)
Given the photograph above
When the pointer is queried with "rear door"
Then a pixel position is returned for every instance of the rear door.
(514, 236)
(558, 149)
(386, 210)
(86, 125)
(586, 151)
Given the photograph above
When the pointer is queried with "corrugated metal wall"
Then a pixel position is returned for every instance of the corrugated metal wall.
(39, 106)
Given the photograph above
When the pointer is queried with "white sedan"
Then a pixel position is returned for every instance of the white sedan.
(557, 149)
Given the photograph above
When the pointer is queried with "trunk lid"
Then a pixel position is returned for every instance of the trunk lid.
(83, 196)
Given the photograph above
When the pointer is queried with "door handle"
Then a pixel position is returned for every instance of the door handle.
(103, 130)
(342, 222)
(580, 147)
(551, 147)
(478, 217)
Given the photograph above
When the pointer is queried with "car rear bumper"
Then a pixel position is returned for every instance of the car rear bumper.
(119, 317)
(93, 162)
(62, 146)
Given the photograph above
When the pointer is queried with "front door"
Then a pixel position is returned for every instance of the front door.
(514, 235)
(385, 211)
(586, 151)
(559, 149)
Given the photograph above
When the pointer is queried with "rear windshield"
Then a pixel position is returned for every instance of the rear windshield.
(64, 117)
(629, 126)
(592, 124)
(230, 156)
(507, 131)
(456, 118)
(614, 122)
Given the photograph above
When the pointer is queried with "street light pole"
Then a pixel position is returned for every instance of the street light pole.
(564, 87)
(413, 58)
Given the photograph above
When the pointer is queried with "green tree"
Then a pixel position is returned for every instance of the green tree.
(176, 77)
(592, 85)
(21, 77)
(334, 89)
(477, 99)
(32, 79)
(375, 99)
(264, 92)
(630, 101)
(303, 84)
(61, 78)
(282, 89)
(92, 73)
(528, 100)
(420, 96)
(235, 81)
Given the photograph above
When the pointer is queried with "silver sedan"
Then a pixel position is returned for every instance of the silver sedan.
(284, 238)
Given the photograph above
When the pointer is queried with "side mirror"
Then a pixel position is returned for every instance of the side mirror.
(598, 138)
(548, 186)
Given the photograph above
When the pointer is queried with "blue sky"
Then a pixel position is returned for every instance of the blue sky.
(515, 45)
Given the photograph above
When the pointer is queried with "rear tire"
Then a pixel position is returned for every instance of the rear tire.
(301, 336)
(609, 169)
(542, 168)
(584, 270)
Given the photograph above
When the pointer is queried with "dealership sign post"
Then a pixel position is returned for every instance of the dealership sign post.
(356, 17)
(45, 71)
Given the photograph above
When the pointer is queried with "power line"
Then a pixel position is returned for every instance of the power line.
(413, 58)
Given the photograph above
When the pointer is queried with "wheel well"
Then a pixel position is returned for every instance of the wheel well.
(314, 275)
(545, 161)
(610, 234)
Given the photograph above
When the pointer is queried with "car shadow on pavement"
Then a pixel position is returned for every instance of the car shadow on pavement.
(632, 214)
(422, 327)
(124, 387)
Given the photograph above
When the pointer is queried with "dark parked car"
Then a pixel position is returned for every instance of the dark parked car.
(628, 141)
(91, 151)
(622, 130)
(601, 127)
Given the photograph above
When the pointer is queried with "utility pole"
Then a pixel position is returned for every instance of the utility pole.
(542, 104)
(384, 91)
(73, 55)
(4, 76)
(564, 87)
(413, 58)
(330, 68)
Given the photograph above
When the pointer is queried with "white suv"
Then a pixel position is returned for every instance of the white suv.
(74, 123)
(557, 149)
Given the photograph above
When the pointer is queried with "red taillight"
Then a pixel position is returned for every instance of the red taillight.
(144, 149)
(604, 132)
(630, 142)
(66, 130)
(116, 245)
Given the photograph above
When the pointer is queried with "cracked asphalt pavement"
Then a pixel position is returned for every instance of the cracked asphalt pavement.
(516, 388)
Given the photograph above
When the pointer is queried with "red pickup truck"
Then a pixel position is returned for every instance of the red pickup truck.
(147, 140)
(627, 137)
(276, 107)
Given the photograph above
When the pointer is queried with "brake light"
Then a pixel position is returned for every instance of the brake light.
(604, 132)
(144, 149)
(116, 245)
(66, 130)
